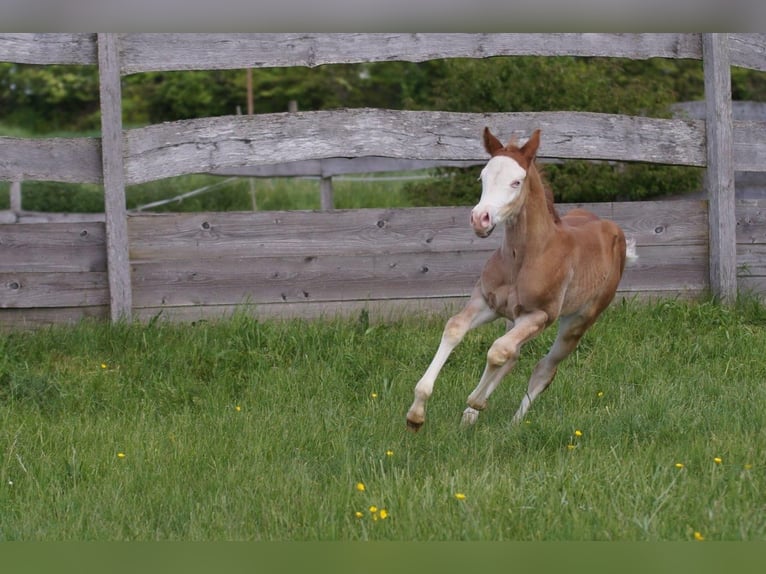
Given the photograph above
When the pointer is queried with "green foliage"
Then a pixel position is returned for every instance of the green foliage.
(578, 181)
(49, 99)
(57, 197)
(606, 85)
(46, 99)
(525, 84)
(167, 96)
(242, 429)
(571, 182)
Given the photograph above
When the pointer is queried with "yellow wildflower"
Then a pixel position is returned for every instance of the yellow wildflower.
(120, 455)
(748, 466)
(460, 496)
(360, 487)
(571, 446)
(698, 536)
(237, 408)
(600, 394)
(383, 514)
(358, 514)
(374, 395)
(718, 460)
(373, 509)
(679, 465)
(389, 452)
(103, 365)
(578, 433)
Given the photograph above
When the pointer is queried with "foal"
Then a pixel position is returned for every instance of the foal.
(548, 268)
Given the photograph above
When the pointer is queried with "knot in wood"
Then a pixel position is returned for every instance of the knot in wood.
(659, 229)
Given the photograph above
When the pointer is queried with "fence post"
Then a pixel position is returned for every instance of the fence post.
(720, 167)
(113, 166)
(325, 193)
(15, 199)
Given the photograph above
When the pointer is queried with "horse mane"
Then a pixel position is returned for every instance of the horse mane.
(548, 193)
(512, 149)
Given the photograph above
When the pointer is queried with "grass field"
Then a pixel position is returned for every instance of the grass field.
(247, 430)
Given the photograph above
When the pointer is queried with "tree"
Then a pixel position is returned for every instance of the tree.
(45, 99)
(606, 85)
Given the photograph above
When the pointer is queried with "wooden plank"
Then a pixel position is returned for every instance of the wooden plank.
(48, 48)
(210, 144)
(67, 247)
(326, 199)
(15, 196)
(51, 217)
(720, 167)
(751, 260)
(667, 268)
(329, 167)
(747, 50)
(749, 146)
(168, 237)
(653, 223)
(383, 276)
(157, 52)
(752, 285)
(310, 278)
(303, 233)
(751, 221)
(120, 298)
(746, 111)
(29, 319)
(377, 310)
(31, 290)
(382, 310)
(71, 160)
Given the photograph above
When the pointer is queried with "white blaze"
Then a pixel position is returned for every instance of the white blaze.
(502, 180)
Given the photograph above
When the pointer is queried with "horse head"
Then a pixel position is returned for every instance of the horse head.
(502, 182)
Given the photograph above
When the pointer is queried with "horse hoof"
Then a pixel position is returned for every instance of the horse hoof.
(470, 416)
(413, 426)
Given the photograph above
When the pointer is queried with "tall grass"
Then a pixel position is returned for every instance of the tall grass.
(243, 429)
(215, 194)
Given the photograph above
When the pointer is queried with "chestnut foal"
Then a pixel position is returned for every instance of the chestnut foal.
(548, 268)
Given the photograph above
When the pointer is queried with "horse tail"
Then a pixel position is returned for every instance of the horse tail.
(631, 255)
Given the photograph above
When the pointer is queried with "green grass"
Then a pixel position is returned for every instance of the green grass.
(267, 194)
(246, 430)
(224, 195)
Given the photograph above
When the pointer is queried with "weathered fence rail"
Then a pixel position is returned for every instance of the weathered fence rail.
(201, 264)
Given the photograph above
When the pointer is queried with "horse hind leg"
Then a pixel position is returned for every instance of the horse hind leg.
(571, 330)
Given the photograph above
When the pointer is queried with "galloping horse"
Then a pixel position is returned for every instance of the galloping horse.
(547, 268)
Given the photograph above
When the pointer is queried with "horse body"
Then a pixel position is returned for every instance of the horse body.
(547, 268)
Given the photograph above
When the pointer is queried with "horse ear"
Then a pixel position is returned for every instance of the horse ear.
(491, 143)
(529, 149)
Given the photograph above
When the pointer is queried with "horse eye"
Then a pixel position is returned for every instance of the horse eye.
(515, 183)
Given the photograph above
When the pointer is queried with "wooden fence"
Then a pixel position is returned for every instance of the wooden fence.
(307, 263)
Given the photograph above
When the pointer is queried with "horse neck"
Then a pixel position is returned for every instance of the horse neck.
(535, 222)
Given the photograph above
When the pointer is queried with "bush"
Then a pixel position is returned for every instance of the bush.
(572, 181)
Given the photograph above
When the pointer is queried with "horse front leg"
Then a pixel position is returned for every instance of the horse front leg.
(475, 313)
(501, 358)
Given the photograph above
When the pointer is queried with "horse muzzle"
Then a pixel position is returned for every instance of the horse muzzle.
(481, 221)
